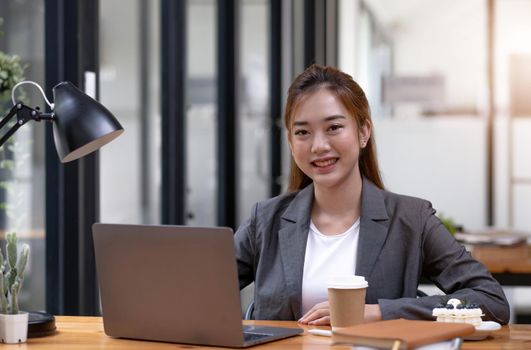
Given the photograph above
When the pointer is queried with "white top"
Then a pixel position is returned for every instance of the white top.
(327, 256)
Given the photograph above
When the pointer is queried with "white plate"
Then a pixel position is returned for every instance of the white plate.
(483, 330)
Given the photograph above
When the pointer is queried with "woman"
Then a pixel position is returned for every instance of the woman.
(337, 219)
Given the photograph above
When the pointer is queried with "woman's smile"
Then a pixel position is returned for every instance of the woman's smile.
(325, 164)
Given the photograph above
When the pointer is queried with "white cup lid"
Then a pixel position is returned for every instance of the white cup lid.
(347, 282)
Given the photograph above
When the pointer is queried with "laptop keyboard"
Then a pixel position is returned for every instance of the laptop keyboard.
(250, 336)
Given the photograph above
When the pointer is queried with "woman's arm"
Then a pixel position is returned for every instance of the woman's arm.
(244, 240)
(451, 268)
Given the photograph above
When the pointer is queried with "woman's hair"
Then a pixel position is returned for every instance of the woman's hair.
(353, 98)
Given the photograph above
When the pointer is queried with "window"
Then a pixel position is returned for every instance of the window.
(22, 156)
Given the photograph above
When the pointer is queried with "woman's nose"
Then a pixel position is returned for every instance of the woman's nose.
(320, 144)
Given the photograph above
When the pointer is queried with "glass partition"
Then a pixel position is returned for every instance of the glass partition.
(129, 87)
(201, 114)
(22, 187)
(254, 99)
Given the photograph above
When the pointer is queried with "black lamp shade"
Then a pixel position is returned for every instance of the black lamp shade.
(82, 125)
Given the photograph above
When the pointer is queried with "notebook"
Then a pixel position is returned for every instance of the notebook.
(174, 284)
(401, 333)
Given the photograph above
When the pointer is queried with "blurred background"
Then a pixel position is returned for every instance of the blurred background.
(199, 86)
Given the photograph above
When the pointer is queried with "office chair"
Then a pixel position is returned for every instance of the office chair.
(249, 311)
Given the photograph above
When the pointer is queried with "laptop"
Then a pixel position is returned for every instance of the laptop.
(173, 284)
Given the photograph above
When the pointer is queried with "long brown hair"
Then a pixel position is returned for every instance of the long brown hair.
(354, 100)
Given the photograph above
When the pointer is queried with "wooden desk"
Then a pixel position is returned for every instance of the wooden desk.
(509, 271)
(84, 333)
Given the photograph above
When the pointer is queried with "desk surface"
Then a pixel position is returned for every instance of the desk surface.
(502, 262)
(508, 270)
(82, 333)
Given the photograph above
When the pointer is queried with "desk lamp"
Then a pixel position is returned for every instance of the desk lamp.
(81, 125)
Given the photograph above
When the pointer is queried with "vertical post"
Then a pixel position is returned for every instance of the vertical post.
(320, 32)
(309, 33)
(331, 32)
(227, 137)
(72, 201)
(173, 70)
(491, 25)
(275, 93)
(144, 169)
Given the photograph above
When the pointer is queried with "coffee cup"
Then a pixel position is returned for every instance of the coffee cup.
(346, 296)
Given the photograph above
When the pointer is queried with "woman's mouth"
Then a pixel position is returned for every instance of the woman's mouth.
(324, 163)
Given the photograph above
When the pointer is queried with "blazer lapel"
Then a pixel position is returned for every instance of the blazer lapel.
(373, 228)
(293, 235)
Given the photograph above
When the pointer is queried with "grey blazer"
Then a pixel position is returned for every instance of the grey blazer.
(400, 241)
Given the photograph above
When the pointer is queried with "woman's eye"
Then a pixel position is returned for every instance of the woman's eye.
(335, 127)
(300, 132)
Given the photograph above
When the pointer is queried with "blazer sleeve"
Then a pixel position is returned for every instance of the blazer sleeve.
(245, 243)
(451, 268)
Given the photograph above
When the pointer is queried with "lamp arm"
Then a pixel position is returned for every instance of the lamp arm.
(8, 116)
(4, 121)
(24, 114)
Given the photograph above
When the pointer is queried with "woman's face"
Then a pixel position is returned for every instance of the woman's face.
(325, 140)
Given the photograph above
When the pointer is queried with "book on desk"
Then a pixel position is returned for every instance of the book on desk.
(400, 334)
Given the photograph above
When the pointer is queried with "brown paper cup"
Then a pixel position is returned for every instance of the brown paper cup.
(346, 296)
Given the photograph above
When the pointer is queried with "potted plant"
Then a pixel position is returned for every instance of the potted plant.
(450, 224)
(13, 322)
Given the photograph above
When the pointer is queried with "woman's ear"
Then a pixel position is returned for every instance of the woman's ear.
(365, 133)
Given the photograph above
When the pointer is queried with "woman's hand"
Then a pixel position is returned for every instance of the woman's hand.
(319, 315)
(372, 313)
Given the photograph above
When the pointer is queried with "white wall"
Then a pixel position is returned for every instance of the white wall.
(449, 38)
(439, 159)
